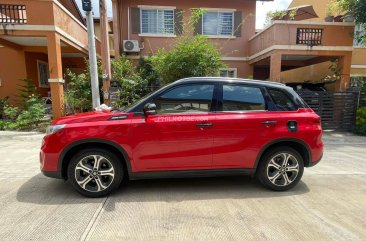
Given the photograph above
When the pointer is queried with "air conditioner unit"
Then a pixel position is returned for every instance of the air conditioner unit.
(131, 46)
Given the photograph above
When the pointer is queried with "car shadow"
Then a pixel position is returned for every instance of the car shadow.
(47, 191)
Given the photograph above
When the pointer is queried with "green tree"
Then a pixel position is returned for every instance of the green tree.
(357, 8)
(78, 93)
(132, 86)
(191, 55)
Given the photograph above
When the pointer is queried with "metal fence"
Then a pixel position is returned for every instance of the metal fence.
(336, 109)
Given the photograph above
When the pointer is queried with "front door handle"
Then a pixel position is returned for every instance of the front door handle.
(204, 125)
(269, 123)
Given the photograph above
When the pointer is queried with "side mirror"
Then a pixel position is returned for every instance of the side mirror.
(150, 109)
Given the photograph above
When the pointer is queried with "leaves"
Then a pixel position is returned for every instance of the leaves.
(192, 56)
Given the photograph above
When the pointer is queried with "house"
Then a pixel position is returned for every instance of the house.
(150, 25)
(39, 39)
(358, 62)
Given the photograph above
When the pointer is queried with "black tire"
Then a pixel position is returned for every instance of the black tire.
(106, 183)
(267, 169)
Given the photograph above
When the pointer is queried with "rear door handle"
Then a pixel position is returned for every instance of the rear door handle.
(269, 123)
(204, 125)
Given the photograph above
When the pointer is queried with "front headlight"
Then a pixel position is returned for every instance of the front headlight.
(52, 129)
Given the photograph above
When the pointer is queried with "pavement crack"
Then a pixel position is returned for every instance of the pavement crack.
(94, 220)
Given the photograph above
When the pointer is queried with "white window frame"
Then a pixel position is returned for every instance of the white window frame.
(212, 10)
(230, 69)
(157, 8)
(47, 86)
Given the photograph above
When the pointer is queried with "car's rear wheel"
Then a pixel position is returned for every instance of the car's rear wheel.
(281, 169)
(95, 172)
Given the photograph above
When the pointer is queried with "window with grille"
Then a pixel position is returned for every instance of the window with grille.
(309, 36)
(216, 23)
(157, 21)
(231, 73)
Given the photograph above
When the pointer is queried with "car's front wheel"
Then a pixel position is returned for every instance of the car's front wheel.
(95, 172)
(281, 169)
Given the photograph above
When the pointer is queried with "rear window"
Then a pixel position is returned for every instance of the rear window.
(242, 98)
(282, 101)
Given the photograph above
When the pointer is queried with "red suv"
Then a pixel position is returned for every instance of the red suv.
(193, 127)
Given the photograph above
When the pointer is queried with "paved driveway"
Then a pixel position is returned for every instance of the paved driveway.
(329, 203)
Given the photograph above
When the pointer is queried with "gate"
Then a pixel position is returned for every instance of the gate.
(336, 109)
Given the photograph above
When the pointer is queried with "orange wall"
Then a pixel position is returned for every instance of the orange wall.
(229, 47)
(12, 69)
(32, 69)
(235, 47)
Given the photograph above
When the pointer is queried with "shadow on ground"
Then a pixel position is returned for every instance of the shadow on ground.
(47, 191)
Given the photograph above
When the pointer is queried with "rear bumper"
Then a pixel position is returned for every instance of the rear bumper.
(311, 164)
(52, 174)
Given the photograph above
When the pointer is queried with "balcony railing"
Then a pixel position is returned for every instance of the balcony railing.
(302, 34)
(13, 14)
(309, 36)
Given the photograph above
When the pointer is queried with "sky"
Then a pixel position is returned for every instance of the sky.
(262, 9)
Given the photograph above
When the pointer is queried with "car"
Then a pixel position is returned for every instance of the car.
(194, 127)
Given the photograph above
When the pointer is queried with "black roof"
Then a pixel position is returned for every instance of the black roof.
(233, 80)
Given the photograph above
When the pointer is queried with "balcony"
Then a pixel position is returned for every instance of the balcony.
(39, 18)
(303, 35)
(13, 14)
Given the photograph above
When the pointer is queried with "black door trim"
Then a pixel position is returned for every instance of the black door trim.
(191, 173)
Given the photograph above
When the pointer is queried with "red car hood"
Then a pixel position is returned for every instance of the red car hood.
(90, 117)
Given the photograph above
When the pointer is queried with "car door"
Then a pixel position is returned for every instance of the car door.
(179, 136)
(242, 124)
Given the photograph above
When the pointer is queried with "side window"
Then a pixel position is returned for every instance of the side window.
(282, 100)
(185, 99)
(242, 98)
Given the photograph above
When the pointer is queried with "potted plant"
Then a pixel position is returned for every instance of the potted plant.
(335, 9)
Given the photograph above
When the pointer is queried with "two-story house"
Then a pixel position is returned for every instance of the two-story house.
(282, 46)
(39, 39)
(156, 24)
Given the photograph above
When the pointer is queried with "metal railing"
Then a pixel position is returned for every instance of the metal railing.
(13, 14)
(309, 36)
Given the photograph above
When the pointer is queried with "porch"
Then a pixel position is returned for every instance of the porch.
(294, 45)
(42, 39)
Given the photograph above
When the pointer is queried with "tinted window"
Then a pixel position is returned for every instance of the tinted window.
(188, 98)
(282, 100)
(242, 98)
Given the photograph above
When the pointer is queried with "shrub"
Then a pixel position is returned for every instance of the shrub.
(11, 112)
(132, 86)
(78, 94)
(361, 121)
(190, 57)
(30, 117)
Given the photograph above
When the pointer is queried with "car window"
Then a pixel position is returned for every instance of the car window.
(282, 100)
(242, 98)
(187, 98)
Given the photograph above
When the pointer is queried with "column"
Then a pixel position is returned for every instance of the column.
(56, 79)
(275, 67)
(116, 29)
(344, 63)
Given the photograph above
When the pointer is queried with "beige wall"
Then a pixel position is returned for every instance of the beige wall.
(311, 73)
(320, 7)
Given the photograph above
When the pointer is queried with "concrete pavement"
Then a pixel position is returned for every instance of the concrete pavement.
(328, 204)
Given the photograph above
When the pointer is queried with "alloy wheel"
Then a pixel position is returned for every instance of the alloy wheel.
(282, 169)
(94, 173)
